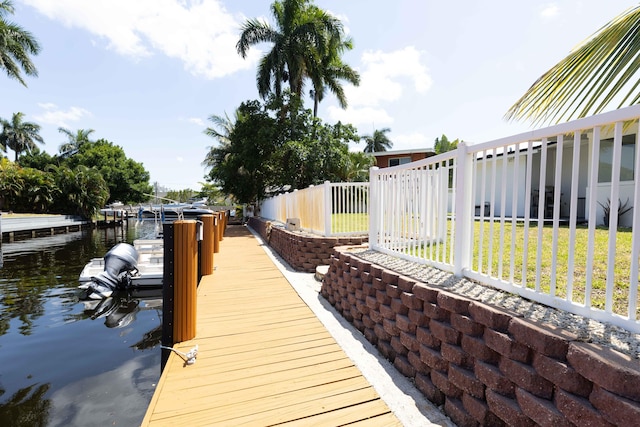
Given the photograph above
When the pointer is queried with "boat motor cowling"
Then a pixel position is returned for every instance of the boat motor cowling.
(118, 262)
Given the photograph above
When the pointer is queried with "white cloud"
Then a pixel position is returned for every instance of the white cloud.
(384, 77)
(196, 121)
(180, 159)
(410, 141)
(54, 115)
(202, 34)
(360, 116)
(384, 74)
(549, 11)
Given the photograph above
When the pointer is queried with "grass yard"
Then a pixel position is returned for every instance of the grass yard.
(349, 222)
(579, 274)
(525, 268)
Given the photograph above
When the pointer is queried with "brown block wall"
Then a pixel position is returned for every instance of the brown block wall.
(302, 252)
(487, 366)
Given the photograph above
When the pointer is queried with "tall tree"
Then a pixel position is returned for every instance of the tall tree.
(18, 135)
(442, 144)
(356, 167)
(379, 141)
(602, 69)
(329, 70)
(302, 33)
(221, 131)
(16, 44)
(74, 141)
(127, 180)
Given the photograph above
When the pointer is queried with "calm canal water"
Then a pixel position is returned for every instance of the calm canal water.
(65, 362)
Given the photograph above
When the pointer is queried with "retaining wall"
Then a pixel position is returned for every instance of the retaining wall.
(302, 251)
(485, 365)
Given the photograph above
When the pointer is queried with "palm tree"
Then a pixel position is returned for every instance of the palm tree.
(302, 31)
(16, 44)
(601, 69)
(18, 135)
(75, 141)
(379, 141)
(223, 126)
(327, 73)
(356, 167)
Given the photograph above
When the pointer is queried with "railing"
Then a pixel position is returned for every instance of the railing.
(520, 214)
(329, 209)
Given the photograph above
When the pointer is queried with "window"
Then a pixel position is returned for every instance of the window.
(395, 161)
(626, 161)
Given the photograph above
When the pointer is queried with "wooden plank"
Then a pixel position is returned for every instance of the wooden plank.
(284, 408)
(243, 402)
(262, 360)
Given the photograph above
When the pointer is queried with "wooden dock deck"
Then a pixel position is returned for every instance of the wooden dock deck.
(263, 356)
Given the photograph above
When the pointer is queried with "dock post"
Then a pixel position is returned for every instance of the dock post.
(216, 233)
(185, 279)
(167, 292)
(206, 254)
(221, 225)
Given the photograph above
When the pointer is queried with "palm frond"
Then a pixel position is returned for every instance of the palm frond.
(599, 71)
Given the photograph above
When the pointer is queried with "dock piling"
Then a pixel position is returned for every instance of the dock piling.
(185, 279)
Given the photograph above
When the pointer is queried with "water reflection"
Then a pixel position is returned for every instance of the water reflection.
(58, 354)
(121, 308)
(27, 407)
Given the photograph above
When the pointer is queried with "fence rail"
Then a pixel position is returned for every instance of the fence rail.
(526, 214)
(329, 209)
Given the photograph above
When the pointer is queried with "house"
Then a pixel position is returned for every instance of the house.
(492, 165)
(385, 159)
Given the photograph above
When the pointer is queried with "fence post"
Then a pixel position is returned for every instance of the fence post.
(374, 207)
(464, 210)
(328, 208)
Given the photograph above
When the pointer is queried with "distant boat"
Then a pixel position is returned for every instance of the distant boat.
(172, 212)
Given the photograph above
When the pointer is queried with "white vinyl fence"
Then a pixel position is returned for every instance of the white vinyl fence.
(329, 209)
(526, 214)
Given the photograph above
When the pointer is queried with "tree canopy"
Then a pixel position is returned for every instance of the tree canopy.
(74, 140)
(127, 179)
(306, 43)
(16, 44)
(268, 154)
(379, 141)
(18, 135)
(442, 144)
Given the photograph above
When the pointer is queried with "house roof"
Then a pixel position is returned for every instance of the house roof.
(428, 151)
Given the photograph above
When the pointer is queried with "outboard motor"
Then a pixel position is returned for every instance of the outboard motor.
(118, 262)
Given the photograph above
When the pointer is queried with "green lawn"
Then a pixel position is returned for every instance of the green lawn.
(346, 223)
(351, 222)
(579, 245)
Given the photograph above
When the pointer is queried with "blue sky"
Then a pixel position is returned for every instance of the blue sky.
(146, 74)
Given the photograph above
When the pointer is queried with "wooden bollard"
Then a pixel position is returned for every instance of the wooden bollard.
(216, 233)
(206, 255)
(226, 219)
(185, 280)
(221, 225)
